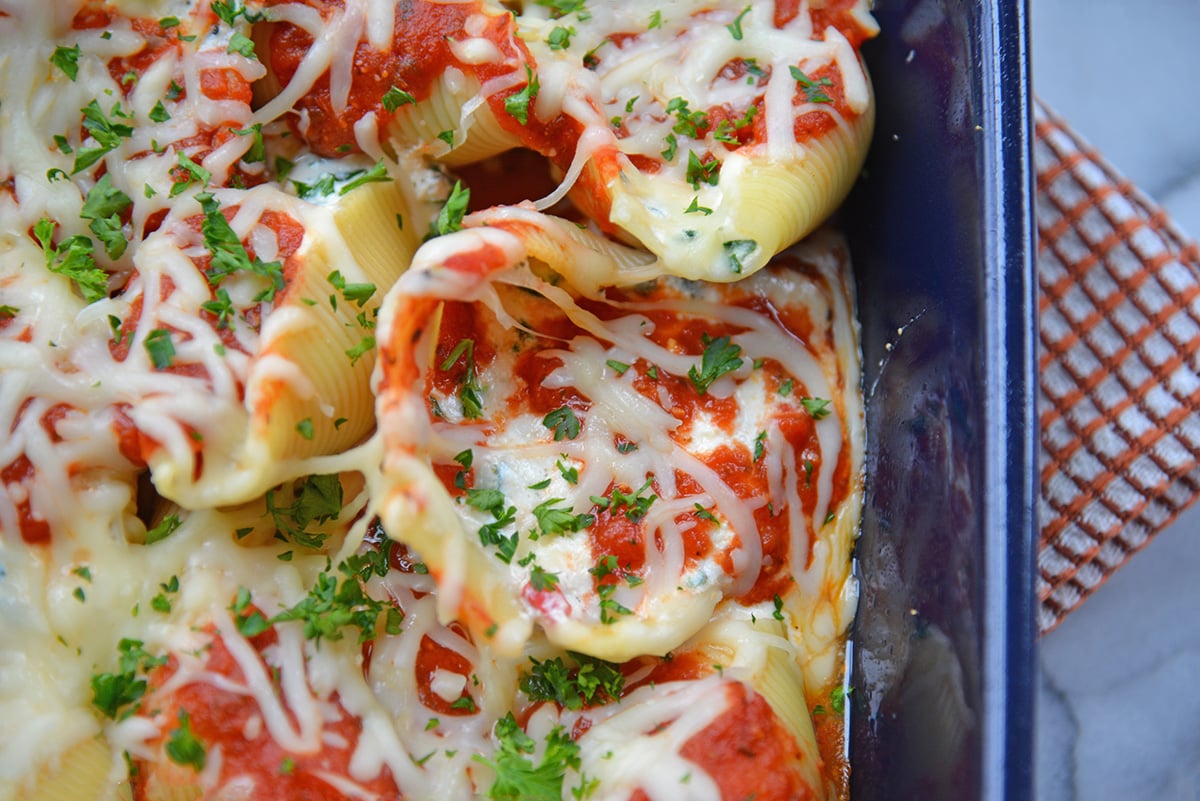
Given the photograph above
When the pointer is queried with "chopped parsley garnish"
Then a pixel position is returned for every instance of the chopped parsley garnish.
(160, 602)
(569, 474)
(517, 777)
(322, 187)
(720, 356)
(257, 151)
(590, 59)
(563, 422)
(618, 367)
(395, 97)
(67, 60)
(786, 386)
(115, 694)
(559, 520)
(688, 123)
(593, 681)
(332, 606)
(470, 392)
(656, 20)
(735, 27)
(183, 747)
(365, 345)
(503, 516)
(724, 133)
(160, 348)
(517, 105)
(376, 174)
(698, 172)
(609, 607)
(746, 118)
(560, 37)
(305, 428)
(242, 45)
(705, 514)
(778, 613)
(635, 504)
(229, 10)
(542, 580)
(447, 136)
(107, 134)
(352, 292)
(737, 251)
(221, 307)
(192, 174)
(560, 8)
(812, 89)
(695, 207)
(159, 113)
(165, 528)
(466, 703)
(8, 312)
(103, 206)
(229, 255)
(317, 499)
(817, 408)
(250, 621)
(668, 153)
(450, 218)
(760, 445)
(74, 259)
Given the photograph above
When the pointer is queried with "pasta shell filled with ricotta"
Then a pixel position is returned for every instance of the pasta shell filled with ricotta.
(259, 348)
(714, 135)
(725, 716)
(597, 465)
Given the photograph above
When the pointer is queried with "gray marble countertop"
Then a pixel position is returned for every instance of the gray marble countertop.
(1118, 701)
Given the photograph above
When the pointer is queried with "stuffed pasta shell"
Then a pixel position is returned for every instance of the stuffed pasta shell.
(599, 465)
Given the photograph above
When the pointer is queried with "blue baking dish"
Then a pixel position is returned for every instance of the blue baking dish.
(940, 227)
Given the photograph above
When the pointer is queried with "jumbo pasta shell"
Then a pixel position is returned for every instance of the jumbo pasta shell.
(81, 773)
(759, 207)
(307, 387)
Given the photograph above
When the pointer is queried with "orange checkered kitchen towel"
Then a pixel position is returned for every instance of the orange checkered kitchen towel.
(1119, 407)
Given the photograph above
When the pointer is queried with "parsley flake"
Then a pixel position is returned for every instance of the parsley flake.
(395, 97)
(737, 251)
(160, 348)
(721, 356)
(517, 105)
(563, 422)
(67, 60)
(735, 27)
(183, 747)
(817, 408)
(812, 88)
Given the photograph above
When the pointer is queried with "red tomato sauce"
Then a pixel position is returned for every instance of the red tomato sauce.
(219, 718)
(34, 530)
(460, 321)
(430, 658)
(617, 535)
(749, 752)
(421, 52)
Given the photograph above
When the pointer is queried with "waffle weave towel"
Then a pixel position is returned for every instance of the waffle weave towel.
(1119, 407)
